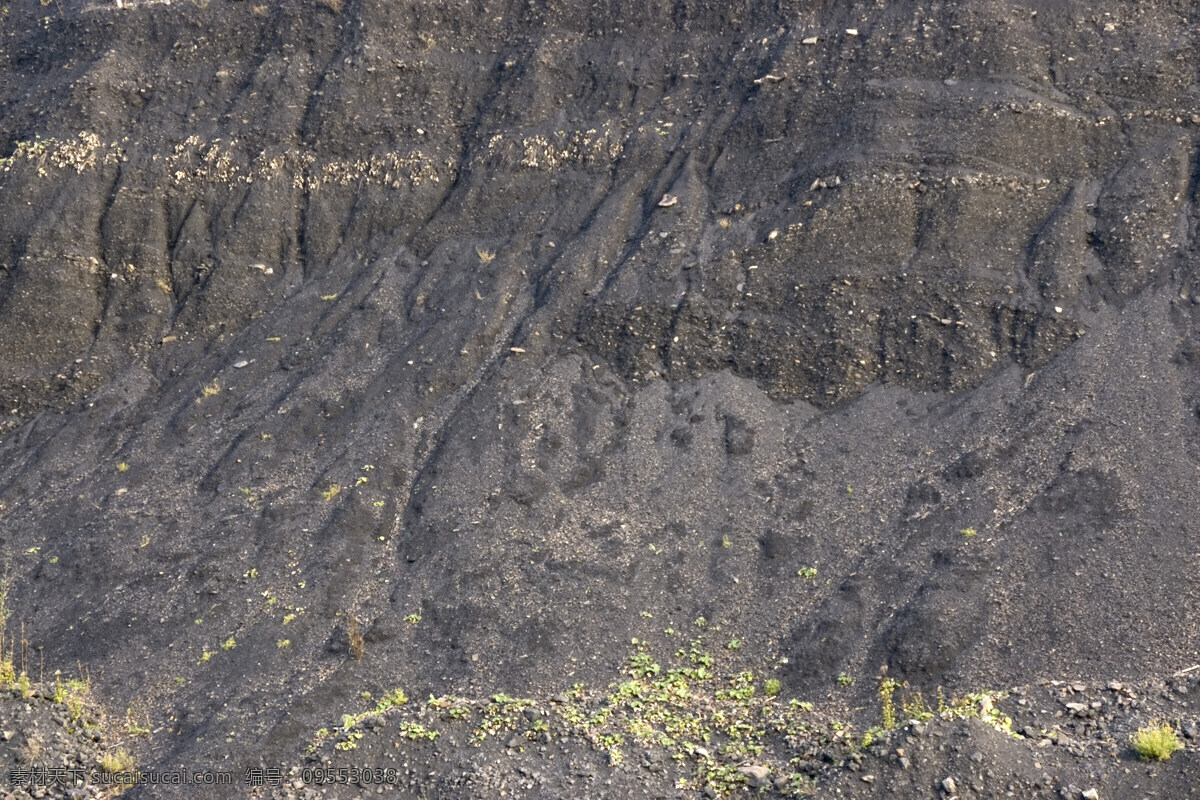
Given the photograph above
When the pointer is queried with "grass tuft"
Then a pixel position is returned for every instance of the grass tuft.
(1156, 743)
(354, 634)
(119, 761)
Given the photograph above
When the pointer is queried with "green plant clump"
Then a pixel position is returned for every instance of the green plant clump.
(1156, 743)
(887, 688)
(117, 762)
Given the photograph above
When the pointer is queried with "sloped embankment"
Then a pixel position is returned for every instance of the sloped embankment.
(866, 334)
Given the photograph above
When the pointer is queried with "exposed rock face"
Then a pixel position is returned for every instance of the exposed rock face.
(379, 313)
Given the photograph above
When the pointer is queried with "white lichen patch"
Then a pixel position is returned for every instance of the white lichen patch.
(392, 170)
(199, 162)
(196, 161)
(552, 151)
(80, 154)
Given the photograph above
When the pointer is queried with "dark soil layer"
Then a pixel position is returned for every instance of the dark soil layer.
(501, 342)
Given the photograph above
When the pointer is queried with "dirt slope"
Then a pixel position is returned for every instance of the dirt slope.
(839, 335)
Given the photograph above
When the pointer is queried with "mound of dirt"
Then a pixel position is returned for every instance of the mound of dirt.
(510, 349)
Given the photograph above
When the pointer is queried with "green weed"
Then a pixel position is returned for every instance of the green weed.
(1156, 743)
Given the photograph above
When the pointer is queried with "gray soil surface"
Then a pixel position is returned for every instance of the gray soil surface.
(628, 383)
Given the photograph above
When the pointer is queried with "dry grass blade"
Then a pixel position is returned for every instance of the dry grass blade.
(354, 633)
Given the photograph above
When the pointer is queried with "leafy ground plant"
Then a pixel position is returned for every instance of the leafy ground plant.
(1156, 743)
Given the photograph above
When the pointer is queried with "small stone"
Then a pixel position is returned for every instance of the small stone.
(918, 729)
(977, 756)
(1091, 794)
(809, 40)
(667, 201)
(516, 741)
(1191, 731)
(905, 762)
(241, 364)
(7, 735)
(868, 778)
(755, 774)
(949, 786)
